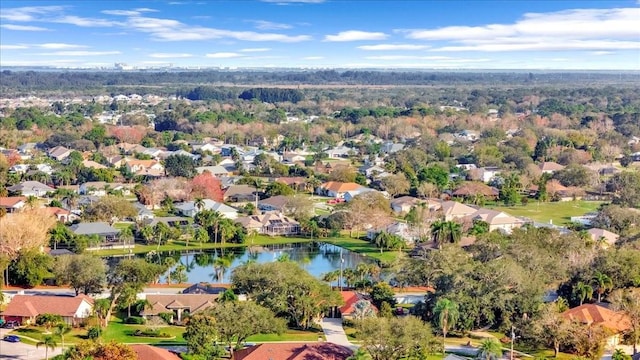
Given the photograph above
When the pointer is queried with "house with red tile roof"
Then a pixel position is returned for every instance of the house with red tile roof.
(148, 352)
(294, 351)
(591, 314)
(12, 203)
(25, 308)
(63, 215)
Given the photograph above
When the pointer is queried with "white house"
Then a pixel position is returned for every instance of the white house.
(190, 209)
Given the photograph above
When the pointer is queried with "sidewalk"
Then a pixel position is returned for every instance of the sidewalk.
(334, 332)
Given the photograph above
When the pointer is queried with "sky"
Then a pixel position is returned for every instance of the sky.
(429, 34)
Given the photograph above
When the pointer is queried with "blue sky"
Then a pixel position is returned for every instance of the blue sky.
(444, 34)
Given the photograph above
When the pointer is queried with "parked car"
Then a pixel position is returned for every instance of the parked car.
(12, 338)
(10, 324)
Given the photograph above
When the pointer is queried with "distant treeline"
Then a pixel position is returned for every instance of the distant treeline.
(270, 95)
(163, 81)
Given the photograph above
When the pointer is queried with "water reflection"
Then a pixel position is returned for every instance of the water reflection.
(215, 266)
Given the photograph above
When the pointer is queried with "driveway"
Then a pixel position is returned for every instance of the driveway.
(334, 332)
(21, 350)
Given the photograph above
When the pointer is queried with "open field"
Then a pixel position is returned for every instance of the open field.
(559, 213)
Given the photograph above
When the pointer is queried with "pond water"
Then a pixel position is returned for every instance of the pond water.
(316, 258)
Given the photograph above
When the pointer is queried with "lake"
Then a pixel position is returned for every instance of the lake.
(316, 258)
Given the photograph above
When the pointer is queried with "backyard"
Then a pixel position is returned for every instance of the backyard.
(559, 213)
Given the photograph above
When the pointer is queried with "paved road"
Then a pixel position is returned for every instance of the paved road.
(21, 350)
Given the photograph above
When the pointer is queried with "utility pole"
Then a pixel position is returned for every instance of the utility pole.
(513, 339)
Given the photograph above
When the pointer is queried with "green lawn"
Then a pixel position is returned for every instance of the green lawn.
(122, 333)
(558, 212)
(289, 335)
(363, 247)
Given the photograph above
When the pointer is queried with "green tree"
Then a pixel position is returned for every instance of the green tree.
(619, 354)
(85, 273)
(583, 291)
(61, 330)
(236, 321)
(108, 208)
(551, 329)
(30, 268)
(49, 343)
(627, 301)
(278, 188)
(489, 349)
(396, 338)
(48, 320)
(444, 232)
(180, 166)
(602, 283)
(510, 190)
(381, 293)
(201, 335)
(446, 312)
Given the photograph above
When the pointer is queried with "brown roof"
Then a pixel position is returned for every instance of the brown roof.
(34, 305)
(550, 166)
(294, 351)
(165, 302)
(596, 314)
(278, 201)
(337, 186)
(292, 180)
(11, 201)
(350, 299)
(471, 188)
(54, 210)
(148, 352)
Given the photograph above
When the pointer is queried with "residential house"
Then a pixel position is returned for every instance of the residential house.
(217, 170)
(139, 167)
(274, 203)
(59, 153)
(28, 148)
(294, 351)
(403, 204)
(371, 171)
(336, 189)
(170, 221)
(550, 167)
(558, 192)
(452, 210)
(589, 314)
(12, 204)
(340, 152)
(390, 148)
(205, 288)
(116, 161)
(497, 220)
(484, 174)
(148, 352)
(143, 212)
(297, 183)
(178, 304)
(206, 147)
(95, 188)
(471, 190)
(603, 237)
(190, 209)
(351, 194)
(63, 215)
(401, 229)
(104, 231)
(180, 152)
(229, 150)
(93, 165)
(31, 188)
(350, 298)
(25, 308)
(240, 193)
(270, 224)
(19, 168)
(292, 158)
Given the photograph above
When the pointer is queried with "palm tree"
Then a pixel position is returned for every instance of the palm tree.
(126, 235)
(168, 264)
(602, 282)
(446, 311)
(147, 233)
(584, 291)
(199, 203)
(331, 276)
(445, 232)
(220, 266)
(619, 354)
(62, 329)
(31, 201)
(49, 343)
(489, 349)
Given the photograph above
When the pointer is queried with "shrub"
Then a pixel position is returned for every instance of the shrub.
(136, 320)
(166, 316)
(94, 332)
(151, 333)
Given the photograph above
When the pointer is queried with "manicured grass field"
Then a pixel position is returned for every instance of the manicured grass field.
(363, 247)
(559, 213)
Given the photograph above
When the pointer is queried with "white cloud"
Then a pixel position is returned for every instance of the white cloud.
(355, 35)
(269, 25)
(23, 27)
(173, 30)
(170, 55)
(600, 53)
(255, 50)
(81, 53)
(13, 47)
(121, 12)
(27, 13)
(439, 59)
(145, 9)
(224, 55)
(391, 47)
(57, 46)
(85, 22)
(574, 29)
(313, 58)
